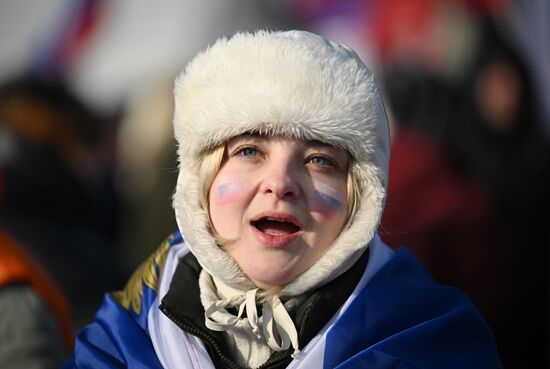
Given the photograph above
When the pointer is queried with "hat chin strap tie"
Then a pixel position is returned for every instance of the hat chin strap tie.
(277, 328)
(276, 316)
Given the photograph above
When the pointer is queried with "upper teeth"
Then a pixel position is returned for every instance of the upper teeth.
(278, 220)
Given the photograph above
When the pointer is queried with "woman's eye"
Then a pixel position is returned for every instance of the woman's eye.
(321, 160)
(247, 151)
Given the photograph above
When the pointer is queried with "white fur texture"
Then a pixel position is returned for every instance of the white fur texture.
(289, 83)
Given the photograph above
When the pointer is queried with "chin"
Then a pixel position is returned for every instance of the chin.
(269, 280)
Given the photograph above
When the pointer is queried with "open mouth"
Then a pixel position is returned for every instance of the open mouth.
(276, 226)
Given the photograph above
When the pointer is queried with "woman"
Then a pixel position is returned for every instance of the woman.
(283, 148)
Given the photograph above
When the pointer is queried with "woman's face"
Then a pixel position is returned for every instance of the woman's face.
(281, 202)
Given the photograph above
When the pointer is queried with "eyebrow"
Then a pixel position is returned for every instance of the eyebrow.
(319, 143)
(266, 136)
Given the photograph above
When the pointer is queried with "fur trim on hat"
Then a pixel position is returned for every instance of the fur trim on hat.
(295, 84)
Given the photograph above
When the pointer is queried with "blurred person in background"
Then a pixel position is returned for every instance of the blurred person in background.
(500, 136)
(502, 142)
(57, 198)
(35, 325)
(435, 206)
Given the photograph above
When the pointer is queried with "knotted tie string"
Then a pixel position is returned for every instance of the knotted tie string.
(276, 316)
(275, 321)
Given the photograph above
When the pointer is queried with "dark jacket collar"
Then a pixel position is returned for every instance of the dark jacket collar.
(183, 306)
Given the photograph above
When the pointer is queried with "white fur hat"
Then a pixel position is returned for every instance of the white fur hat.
(284, 83)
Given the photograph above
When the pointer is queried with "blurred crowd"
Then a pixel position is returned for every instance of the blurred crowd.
(87, 157)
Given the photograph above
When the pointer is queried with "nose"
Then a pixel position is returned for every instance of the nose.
(281, 180)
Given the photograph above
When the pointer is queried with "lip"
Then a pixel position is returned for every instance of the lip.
(272, 240)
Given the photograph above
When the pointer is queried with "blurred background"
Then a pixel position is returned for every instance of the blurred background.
(87, 156)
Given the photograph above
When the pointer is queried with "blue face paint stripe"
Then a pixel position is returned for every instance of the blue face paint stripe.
(223, 189)
(328, 201)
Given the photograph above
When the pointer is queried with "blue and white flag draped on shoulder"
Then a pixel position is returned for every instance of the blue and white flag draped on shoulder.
(397, 317)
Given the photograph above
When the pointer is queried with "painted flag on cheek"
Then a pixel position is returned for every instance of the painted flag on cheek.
(229, 192)
(328, 201)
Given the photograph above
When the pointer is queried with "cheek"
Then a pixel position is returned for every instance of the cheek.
(228, 192)
(328, 201)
